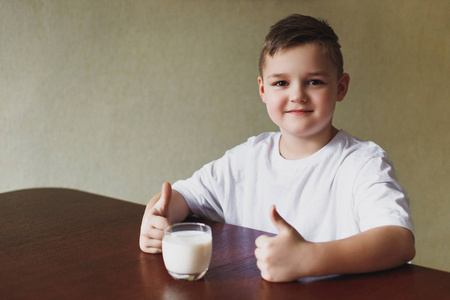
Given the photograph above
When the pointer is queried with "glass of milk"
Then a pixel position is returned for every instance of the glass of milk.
(186, 250)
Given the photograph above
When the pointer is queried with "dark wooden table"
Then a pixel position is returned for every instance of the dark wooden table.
(67, 244)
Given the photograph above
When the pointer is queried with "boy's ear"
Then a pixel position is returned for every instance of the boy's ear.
(343, 86)
(261, 89)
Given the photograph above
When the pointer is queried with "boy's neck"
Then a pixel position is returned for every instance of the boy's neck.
(293, 148)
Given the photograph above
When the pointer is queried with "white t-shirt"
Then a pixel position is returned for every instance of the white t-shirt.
(346, 187)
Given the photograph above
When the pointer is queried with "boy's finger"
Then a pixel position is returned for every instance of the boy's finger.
(150, 246)
(164, 201)
(262, 240)
(278, 221)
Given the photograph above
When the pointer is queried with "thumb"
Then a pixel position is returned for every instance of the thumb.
(164, 201)
(278, 221)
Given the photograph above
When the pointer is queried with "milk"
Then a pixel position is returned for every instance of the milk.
(187, 252)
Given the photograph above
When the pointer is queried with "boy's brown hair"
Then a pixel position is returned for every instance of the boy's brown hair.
(297, 30)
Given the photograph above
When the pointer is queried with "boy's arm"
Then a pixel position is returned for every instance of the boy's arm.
(287, 256)
(165, 208)
(376, 249)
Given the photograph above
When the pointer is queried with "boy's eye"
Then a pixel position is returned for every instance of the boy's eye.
(315, 82)
(280, 83)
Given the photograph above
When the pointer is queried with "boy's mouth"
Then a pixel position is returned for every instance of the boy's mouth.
(299, 111)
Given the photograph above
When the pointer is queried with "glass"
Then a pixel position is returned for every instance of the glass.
(186, 250)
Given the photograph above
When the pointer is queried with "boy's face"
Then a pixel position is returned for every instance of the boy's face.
(300, 89)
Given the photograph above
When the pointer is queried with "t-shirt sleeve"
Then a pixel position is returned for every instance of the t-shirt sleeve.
(208, 191)
(201, 193)
(379, 199)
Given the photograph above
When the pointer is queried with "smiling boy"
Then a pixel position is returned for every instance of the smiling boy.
(300, 89)
(343, 209)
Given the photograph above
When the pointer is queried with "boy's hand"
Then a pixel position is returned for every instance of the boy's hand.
(284, 257)
(156, 218)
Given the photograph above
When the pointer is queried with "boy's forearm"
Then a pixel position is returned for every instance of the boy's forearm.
(178, 208)
(374, 250)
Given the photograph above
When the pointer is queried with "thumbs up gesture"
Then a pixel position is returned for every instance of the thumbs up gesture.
(156, 218)
(283, 257)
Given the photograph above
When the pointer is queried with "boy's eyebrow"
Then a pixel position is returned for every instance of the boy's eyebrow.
(278, 75)
(319, 73)
(281, 75)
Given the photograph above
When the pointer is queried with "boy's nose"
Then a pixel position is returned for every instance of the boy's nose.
(298, 95)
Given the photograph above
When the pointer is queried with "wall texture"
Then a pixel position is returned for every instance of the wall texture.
(115, 97)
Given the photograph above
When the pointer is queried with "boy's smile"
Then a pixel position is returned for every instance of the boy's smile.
(300, 89)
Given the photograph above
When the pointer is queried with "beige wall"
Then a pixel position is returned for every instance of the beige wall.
(114, 97)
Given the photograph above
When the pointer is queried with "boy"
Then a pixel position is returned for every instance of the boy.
(343, 210)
